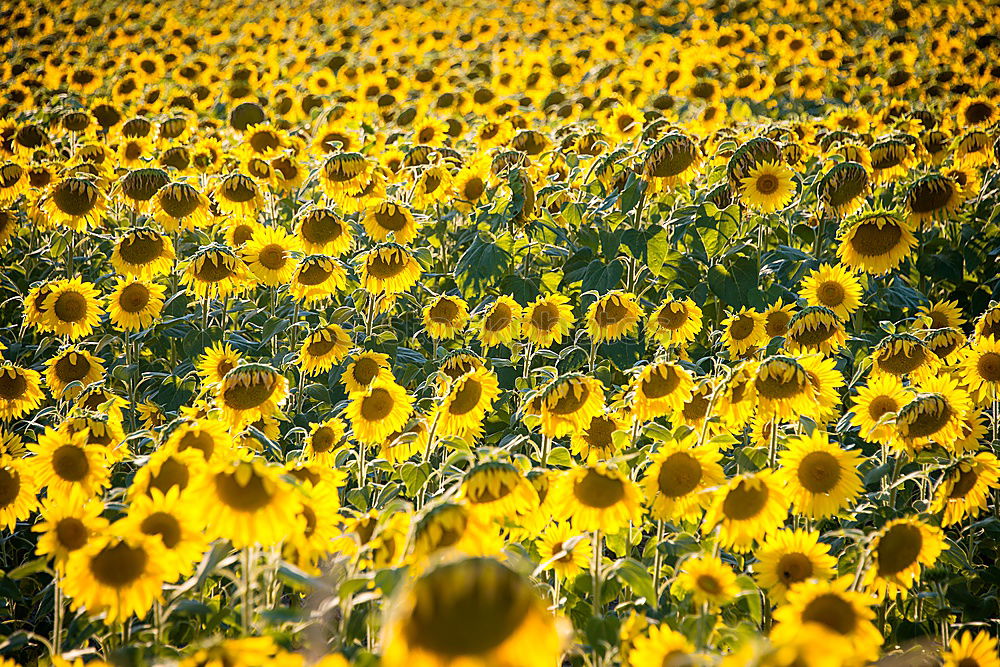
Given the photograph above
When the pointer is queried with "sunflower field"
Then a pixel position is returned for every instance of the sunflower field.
(498, 334)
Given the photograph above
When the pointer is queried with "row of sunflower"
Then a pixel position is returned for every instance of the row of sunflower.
(461, 334)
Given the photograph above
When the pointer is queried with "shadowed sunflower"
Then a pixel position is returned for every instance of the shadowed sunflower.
(495, 490)
(389, 268)
(833, 287)
(14, 183)
(815, 329)
(875, 242)
(343, 173)
(904, 354)
(473, 611)
(820, 478)
(966, 487)
(20, 391)
(743, 331)
(209, 437)
(215, 270)
(72, 308)
(597, 442)
(170, 518)
(18, 492)
(833, 616)
(875, 408)
(843, 189)
(216, 361)
(980, 370)
(708, 581)
(384, 217)
(899, 551)
(613, 316)
(322, 348)
(788, 557)
(167, 469)
(75, 202)
(317, 278)
(143, 253)
(181, 205)
(469, 399)
(67, 522)
(783, 388)
(891, 159)
(679, 476)
(675, 322)
(569, 402)
(946, 344)
(777, 318)
(672, 160)
(400, 445)
(251, 392)
(445, 316)
(134, 305)
(547, 320)
(988, 324)
(139, 187)
(935, 414)
(268, 254)
(239, 195)
(450, 528)
(116, 574)
(72, 365)
(768, 187)
(378, 410)
(596, 497)
(660, 389)
(245, 501)
(933, 197)
(972, 650)
(749, 507)
(501, 323)
(322, 231)
(738, 400)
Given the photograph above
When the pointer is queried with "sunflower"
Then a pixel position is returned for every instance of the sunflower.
(445, 316)
(181, 205)
(239, 195)
(601, 439)
(268, 254)
(768, 187)
(495, 490)
(75, 202)
(324, 440)
(891, 159)
(501, 323)
(72, 308)
(672, 160)
(784, 388)
(903, 355)
(966, 488)
(875, 242)
(748, 507)
(596, 497)
(710, 582)
(171, 518)
(365, 369)
(215, 270)
(20, 391)
(675, 322)
(469, 399)
(743, 331)
(661, 647)
(139, 186)
(660, 389)
(389, 269)
(612, 316)
(102, 429)
(568, 404)
(215, 361)
(980, 369)
(117, 574)
(788, 557)
(167, 469)
(679, 478)
(316, 278)
(547, 320)
(345, 172)
(737, 401)
(899, 551)
(322, 348)
(245, 501)
(135, 304)
(143, 253)
(67, 522)
(833, 616)
(833, 287)
(972, 650)
(473, 611)
(250, 392)
(403, 444)
(378, 410)
(876, 406)
(933, 197)
(777, 318)
(18, 491)
(321, 230)
(843, 189)
(65, 461)
(988, 324)
(8, 226)
(13, 183)
(815, 329)
(568, 552)
(820, 478)
(935, 414)
(384, 217)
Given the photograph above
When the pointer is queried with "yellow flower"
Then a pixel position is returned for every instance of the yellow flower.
(612, 316)
(322, 231)
(843, 189)
(568, 552)
(64, 462)
(216, 361)
(18, 492)
(179, 205)
(170, 518)
(778, 318)
(384, 217)
(708, 580)
(743, 331)
(833, 287)
(389, 268)
(972, 650)
(317, 278)
(875, 242)
(660, 389)
(68, 522)
(364, 369)
(597, 441)
(769, 187)
(75, 202)
(569, 402)
(73, 309)
(749, 507)
(378, 410)
(215, 270)
(143, 253)
(661, 647)
(899, 551)
(935, 414)
(495, 490)
(783, 388)
(820, 478)
(980, 370)
(445, 316)
(322, 348)
(675, 322)
(788, 557)
(547, 320)
(268, 254)
(20, 391)
(875, 408)
(134, 304)
(250, 392)
(239, 195)
(966, 487)
(815, 329)
(679, 479)
(501, 323)
(596, 497)
(469, 399)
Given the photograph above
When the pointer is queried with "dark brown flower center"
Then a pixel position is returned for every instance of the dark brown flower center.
(832, 612)
(378, 405)
(793, 568)
(598, 491)
(119, 566)
(70, 307)
(680, 474)
(819, 472)
(165, 525)
(899, 549)
(745, 501)
(249, 497)
(70, 463)
(134, 298)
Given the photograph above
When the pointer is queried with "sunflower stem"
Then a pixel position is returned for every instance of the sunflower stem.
(57, 606)
(657, 561)
(595, 573)
(245, 610)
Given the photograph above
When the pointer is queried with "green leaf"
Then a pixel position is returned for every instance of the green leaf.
(28, 569)
(635, 575)
(414, 476)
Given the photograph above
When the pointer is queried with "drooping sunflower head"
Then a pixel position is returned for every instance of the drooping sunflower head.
(815, 328)
(843, 189)
(935, 414)
(501, 322)
(143, 252)
(216, 270)
(875, 242)
(675, 322)
(569, 403)
(323, 348)
(933, 197)
(139, 186)
(496, 489)
(345, 171)
(180, 204)
(672, 159)
(445, 316)
(748, 156)
(239, 195)
(782, 386)
(75, 202)
(321, 230)
(317, 278)
(251, 391)
(891, 158)
(612, 316)
(389, 268)
(385, 217)
(902, 354)
(596, 497)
